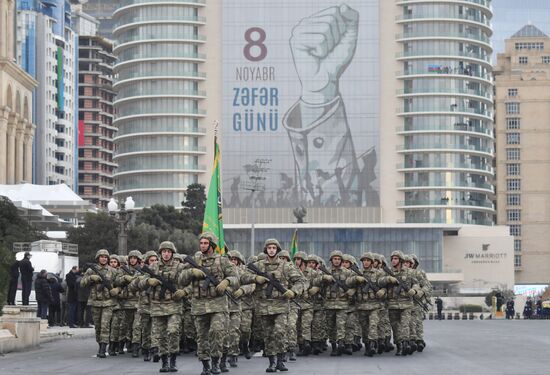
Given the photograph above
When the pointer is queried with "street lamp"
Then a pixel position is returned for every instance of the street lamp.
(123, 217)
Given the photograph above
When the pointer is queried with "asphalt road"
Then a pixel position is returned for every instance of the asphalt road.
(454, 347)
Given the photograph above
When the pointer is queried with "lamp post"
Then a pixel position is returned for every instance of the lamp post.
(122, 216)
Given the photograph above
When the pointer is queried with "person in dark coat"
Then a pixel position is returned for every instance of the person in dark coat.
(43, 294)
(439, 304)
(54, 316)
(84, 310)
(25, 266)
(528, 309)
(72, 295)
(14, 279)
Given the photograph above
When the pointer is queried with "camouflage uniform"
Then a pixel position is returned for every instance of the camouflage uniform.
(165, 307)
(352, 336)
(209, 306)
(101, 301)
(400, 304)
(417, 318)
(273, 306)
(247, 313)
(305, 316)
(384, 328)
(115, 346)
(369, 304)
(128, 300)
(336, 305)
(318, 322)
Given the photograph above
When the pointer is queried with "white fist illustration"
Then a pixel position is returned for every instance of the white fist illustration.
(322, 47)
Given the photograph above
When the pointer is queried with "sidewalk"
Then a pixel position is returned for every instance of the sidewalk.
(56, 333)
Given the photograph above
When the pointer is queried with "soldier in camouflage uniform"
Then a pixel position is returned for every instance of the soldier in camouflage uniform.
(257, 329)
(142, 330)
(318, 323)
(166, 305)
(115, 347)
(272, 305)
(417, 315)
(209, 304)
(128, 300)
(101, 298)
(369, 302)
(336, 303)
(305, 317)
(247, 313)
(292, 321)
(236, 312)
(400, 301)
(353, 329)
(384, 328)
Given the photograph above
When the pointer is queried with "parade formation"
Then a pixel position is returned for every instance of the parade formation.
(161, 304)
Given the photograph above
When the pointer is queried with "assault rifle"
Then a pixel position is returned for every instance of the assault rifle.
(165, 283)
(406, 288)
(369, 284)
(273, 282)
(211, 279)
(105, 283)
(339, 283)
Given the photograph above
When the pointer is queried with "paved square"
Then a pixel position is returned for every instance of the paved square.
(454, 347)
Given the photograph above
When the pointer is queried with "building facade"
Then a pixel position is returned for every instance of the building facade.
(17, 129)
(95, 120)
(47, 49)
(523, 142)
(161, 103)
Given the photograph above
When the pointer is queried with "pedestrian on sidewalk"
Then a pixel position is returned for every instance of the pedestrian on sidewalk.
(26, 268)
(14, 279)
(43, 294)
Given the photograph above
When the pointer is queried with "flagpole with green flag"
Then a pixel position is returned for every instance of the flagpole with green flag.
(294, 244)
(213, 220)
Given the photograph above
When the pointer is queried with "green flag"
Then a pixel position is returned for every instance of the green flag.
(213, 221)
(294, 244)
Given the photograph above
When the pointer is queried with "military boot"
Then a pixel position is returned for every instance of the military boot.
(272, 366)
(101, 351)
(280, 362)
(233, 359)
(135, 350)
(155, 354)
(334, 352)
(370, 349)
(406, 348)
(165, 367)
(399, 351)
(185, 346)
(173, 367)
(356, 344)
(146, 355)
(348, 349)
(389, 346)
(246, 349)
(421, 345)
(307, 348)
(381, 346)
(112, 349)
(413, 347)
(292, 355)
(316, 348)
(223, 363)
(215, 366)
(205, 367)
(121, 346)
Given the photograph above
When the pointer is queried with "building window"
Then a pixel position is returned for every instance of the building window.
(513, 154)
(513, 184)
(513, 123)
(523, 59)
(513, 215)
(517, 260)
(512, 108)
(517, 246)
(513, 199)
(512, 92)
(512, 138)
(515, 230)
(529, 45)
(546, 59)
(513, 169)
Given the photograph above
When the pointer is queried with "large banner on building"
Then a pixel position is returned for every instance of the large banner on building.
(301, 103)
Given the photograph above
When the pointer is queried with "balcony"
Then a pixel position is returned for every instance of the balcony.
(430, 91)
(404, 167)
(484, 3)
(445, 147)
(448, 203)
(444, 35)
(482, 21)
(452, 110)
(446, 72)
(424, 185)
(485, 58)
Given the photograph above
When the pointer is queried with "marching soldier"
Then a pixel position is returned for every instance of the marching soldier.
(384, 329)
(425, 290)
(305, 317)
(318, 324)
(100, 278)
(115, 346)
(353, 329)
(272, 303)
(293, 312)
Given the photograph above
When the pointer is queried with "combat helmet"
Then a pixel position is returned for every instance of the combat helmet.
(168, 245)
(149, 254)
(367, 255)
(211, 237)
(101, 252)
(383, 260)
(236, 254)
(312, 258)
(300, 255)
(399, 254)
(134, 253)
(272, 241)
(122, 259)
(415, 260)
(262, 256)
(284, 254)
(178, 257)
(252, 259)
(349, 258)
(408, 259)
(336, 253)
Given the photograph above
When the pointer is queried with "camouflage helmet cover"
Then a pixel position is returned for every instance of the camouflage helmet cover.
(168, 245)
(253, 259)
(101, 252)
(135, 253)
(236, 254)
(210, 237)
(312, 258)
(367, 255)
(399, 254)
(284, 253)
(150, 254)
(272, 241)
(415, 258)
(300, 255)
(336, 253)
